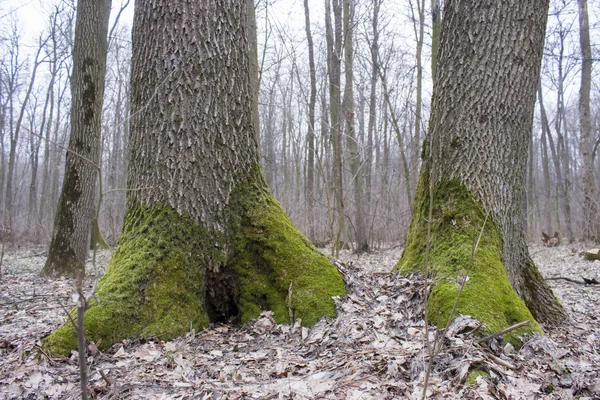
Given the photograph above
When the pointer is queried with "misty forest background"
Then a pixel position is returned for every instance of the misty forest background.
(392, 90)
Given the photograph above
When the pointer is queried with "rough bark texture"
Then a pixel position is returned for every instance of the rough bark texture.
(484, 96)
(73, 222)
(203, 238)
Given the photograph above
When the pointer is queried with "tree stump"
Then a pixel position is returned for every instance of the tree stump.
(592, 254)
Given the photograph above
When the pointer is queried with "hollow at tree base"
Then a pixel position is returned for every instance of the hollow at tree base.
(168, 274)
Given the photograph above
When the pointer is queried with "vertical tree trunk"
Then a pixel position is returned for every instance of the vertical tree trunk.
(352, 143)
(548, 204)
(561, 160)
(14, 140)
(73, 223)
(372, 102)
(436, 25)
(310, 136)
(475, 166)
(334, 53)
(591, 228)
(203, 238)
(419, 28)
(253, 65)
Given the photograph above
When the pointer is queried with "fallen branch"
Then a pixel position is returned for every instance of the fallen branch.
(504, 331)
(502, 362)
(585, 281)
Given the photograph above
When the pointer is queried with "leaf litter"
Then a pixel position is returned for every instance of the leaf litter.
(374, 349)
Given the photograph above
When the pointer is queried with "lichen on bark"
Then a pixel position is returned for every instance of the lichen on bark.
(457, 220)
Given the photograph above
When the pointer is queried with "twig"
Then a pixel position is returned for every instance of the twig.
(45, 354)
(503, 331)
(585, 281)
(108, 382)
(502, 362)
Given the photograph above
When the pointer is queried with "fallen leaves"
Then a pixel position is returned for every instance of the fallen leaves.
(374, 349)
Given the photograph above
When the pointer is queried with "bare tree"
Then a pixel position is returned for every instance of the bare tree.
(591, 229)
(73, 224)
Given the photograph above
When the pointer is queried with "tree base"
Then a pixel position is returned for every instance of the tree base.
(488, 296)
(168, 274)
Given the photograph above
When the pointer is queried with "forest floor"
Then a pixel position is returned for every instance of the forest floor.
(374, 349)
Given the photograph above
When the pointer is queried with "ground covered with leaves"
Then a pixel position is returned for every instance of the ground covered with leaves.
(374, 349)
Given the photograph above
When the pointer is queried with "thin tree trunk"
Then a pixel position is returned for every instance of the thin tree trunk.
(591, 227)
(351, 142)
(76, 209)
(334, 51)
(436, 25)
(372, 102)
(310, 136)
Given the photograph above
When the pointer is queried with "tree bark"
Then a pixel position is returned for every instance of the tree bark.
(475, 166)
(76, 207)
(334, 53)
(203, 238)
(310, 136)
(548, 204)
(591, 228)
(362, 244)
(372, 103)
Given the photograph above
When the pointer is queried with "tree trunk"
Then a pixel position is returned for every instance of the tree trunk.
(372, 103)
(591, 228)
(310, 136)
(548, 204)
(76, 207)
(419, 28)
(351, 143)
(203, 239)
(253, 66)
(436, 25)
(475, 166)
(334, 53)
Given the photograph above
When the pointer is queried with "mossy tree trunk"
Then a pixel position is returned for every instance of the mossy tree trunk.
(76, 207)
(475, 163)
(203, 238)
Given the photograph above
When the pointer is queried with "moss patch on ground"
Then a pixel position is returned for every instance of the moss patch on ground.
(153, 286)
(269, 253)
(457, 220)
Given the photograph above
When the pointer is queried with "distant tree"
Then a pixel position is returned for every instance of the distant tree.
(591, 228)
(474, 166)
(360, 227)
(333, 35)
(73, 224)
(203, 238)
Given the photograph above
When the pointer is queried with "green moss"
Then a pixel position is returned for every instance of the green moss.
(269, 253)
(153, 285)
(474, 374)
(457, 220)
(168, 273)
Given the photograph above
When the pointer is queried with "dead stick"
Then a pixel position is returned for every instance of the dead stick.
(502, 332)
(502, 362)
(108, 382)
